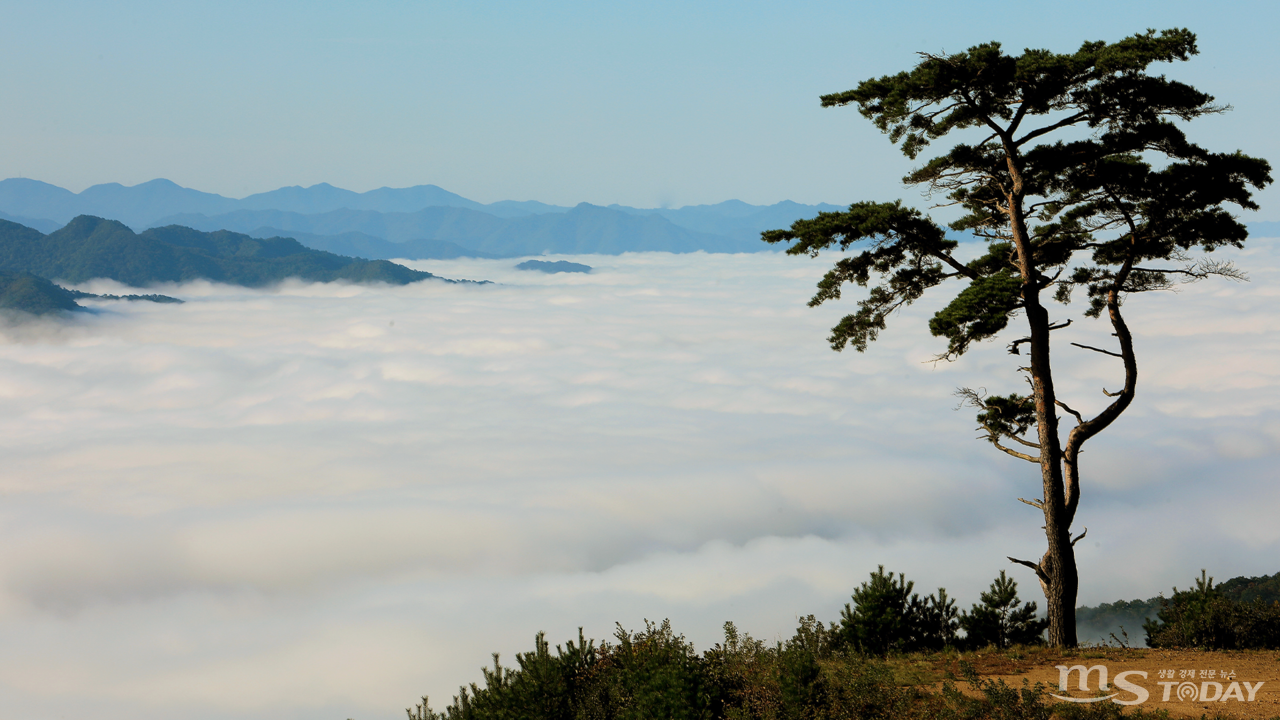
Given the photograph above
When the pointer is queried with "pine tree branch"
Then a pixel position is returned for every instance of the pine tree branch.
(1015, 453)
(1104, 352)
(1027, 443)
(1064, 406)
(1072, 120)
(1040, 573)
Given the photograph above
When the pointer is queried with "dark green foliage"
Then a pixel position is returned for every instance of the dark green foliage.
(1248, 589)
(808, 676)
(1000, 621)
(937, 620)
(800, 683)
(818, 673)
(1002, 416)
(904, 251)
(150, 297)
(752, 679)
(543, 685)
(24, 292)
(89, 247)
(1087, 191)
(881, 618)
(978, 312)
(1109, 618)
(654, 673)
(1203, 617)
(650, 674)
(1074, 169)
(27, 293)
(886, 616)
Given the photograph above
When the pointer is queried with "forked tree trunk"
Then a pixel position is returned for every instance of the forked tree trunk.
(1060, 595)
(1056, 570)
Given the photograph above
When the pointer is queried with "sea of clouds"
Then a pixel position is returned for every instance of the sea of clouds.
(326, 500)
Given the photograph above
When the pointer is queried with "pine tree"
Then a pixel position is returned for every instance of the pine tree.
(999, 620)
(886, 616)
(880, 619)
(1075, 171)
(937, 621)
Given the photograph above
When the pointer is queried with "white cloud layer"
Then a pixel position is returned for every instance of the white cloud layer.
(325, 500)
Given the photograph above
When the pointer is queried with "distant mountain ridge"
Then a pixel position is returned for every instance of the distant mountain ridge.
(144, 205)
(361, 245)
(580, 230)
(504, 228)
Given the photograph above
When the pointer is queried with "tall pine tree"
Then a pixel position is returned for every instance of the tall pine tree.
(1078, 176)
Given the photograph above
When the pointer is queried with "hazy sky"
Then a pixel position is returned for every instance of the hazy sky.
(324, 501)
(645, 104)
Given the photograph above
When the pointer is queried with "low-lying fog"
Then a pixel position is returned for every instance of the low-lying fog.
(323, 501)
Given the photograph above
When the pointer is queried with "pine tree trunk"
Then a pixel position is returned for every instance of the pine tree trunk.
(1060, 595)
(1057, 569)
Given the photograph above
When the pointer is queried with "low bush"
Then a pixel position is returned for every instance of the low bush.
(1202, 617)
(829, 672)
(887, 617)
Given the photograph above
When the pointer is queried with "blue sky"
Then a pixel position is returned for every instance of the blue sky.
(645, 104)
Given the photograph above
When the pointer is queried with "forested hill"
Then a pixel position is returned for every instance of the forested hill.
(1095, 624)
(34, 295)
(90, 247)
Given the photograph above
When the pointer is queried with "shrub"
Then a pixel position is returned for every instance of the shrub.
(886, 616)
(1202, 617)
(543, 687)
(651, 674)
(1000, 621)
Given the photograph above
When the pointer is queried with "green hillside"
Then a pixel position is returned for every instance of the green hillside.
(30, 294)
(1095, 624)
(90, 247)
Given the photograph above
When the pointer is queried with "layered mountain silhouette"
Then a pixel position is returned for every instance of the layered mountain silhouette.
(421, 222)
(583, 229)
(427, 220)
(362, 245)
(144, 205)
(91, 247)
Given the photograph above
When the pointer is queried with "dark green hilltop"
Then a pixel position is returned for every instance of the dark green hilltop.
(24, 292)
(90, 247)
(35, 295)
(559, 266)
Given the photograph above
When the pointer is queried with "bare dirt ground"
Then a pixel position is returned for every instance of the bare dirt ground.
(1190, 667)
